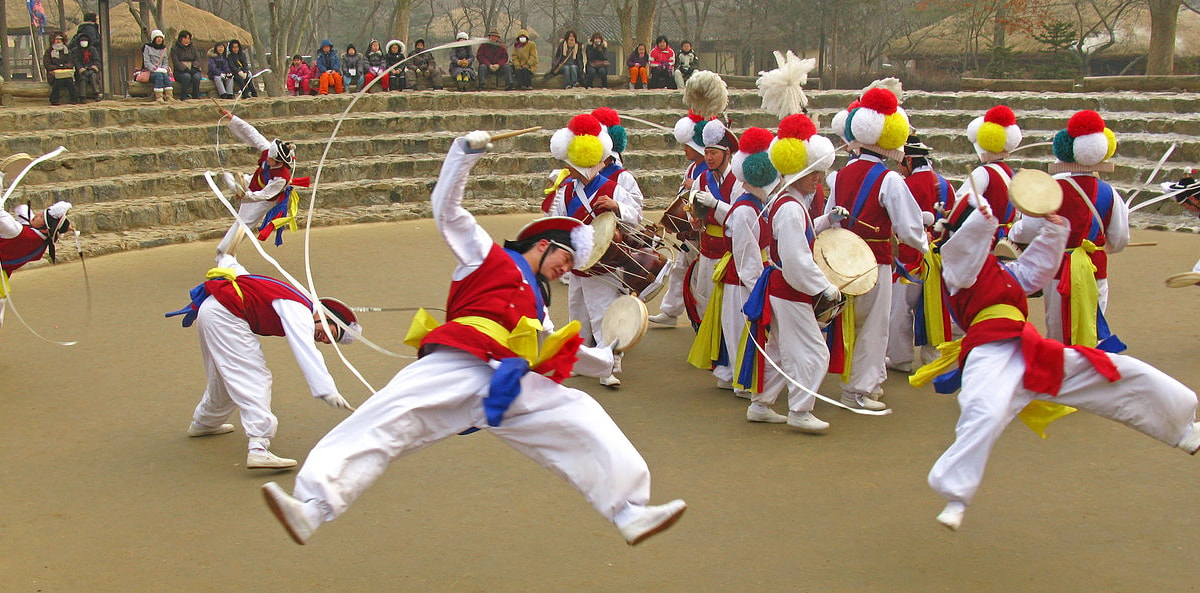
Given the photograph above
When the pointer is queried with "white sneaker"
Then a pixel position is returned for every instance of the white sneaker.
(664, 319)
(876, 395)
(742, 393)
(807, 422)
(862, 402)
(952, 515)
(611, 382)
(765, 415)
(652, 520)
(259, 459)
(289, 511)
(195, 430)
(1191, 442)
(723, 384)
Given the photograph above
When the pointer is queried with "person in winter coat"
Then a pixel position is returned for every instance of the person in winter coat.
(493, 61)
(375, 63)
(86, 60)
(462, 64)
(638, 63)
(91, 28)
(154, 59)
(662, 64)
(219, 71)
(59, 71)
(597, 62)
(423, 67)
(395, 53)
(353, 66)
(239, 62)
(524, 60)
(686, 62)
(298, 77)
(329, 69)
(185, 63)
(568, 59)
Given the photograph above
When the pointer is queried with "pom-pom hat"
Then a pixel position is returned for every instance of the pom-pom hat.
(751, 164)
(611, 120)
(713, 134)
(1084, 145)
(798, 150)
(994, 134)
(877, 124)
(685, 131)
(583, 144)
(564, 232)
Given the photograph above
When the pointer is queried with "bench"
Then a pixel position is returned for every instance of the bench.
(24, 89)
(143, 89)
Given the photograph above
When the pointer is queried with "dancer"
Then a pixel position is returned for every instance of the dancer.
(472, 374)
(994, 135)
(26, 236)
(674, 302)
(230, 308)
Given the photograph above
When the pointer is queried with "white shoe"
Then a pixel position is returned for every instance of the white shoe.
(876, 395)
(862, 402)
(652, 520)
(259, 459)
(742, 393)
(903, 367)
(1191, 442)
(952, 515)
(289, 511)
(664, 319)
(723, 384)
(611, 382)
(195, 430)
(807, 422)
(766, 415)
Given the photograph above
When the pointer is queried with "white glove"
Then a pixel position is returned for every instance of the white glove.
(337, 401)
(939, 227)
(838, 214)
(479, 140)
(926, 218)
(227, 179)
(706, 199)
(831, 294)
(161, 70)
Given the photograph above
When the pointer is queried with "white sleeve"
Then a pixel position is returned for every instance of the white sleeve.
(467, 240)
(964, 252)
(902, 208)
(799, 269)
(1038, 264)
(226, 260)
(248, 134)
(593, 361)
(559, 206)
(631, 207)
(981, 179)
(9, 227)
(1025, 229)
(1116, 236)
(269, 191)
(298, 328)
(627, 181)
(741, 226)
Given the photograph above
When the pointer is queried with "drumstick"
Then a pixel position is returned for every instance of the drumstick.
(870, 226)
(504, 135)
(1143, 244)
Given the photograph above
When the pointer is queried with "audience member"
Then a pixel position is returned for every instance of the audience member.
(239, 62)
(524, 61)
(185, 64)
(638, 62)
(568, 60)
(299, 75)
(493, 61)
(156, 63)
(424, 67)
(462, 64)
(86, 61)
(397, 79)
(352, 67)
(329, 69)
(662, 64)
(219, 71)
(376, 64)
(686, 62)
(597, 62)
(59, 70)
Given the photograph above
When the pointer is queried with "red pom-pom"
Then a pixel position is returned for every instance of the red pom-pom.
(1002, 115)
(855, 104)
(797, 126)
(584, 124)
(696, 117)
(755, 140)
(881, 100)
(1085, 122)
(607, 116)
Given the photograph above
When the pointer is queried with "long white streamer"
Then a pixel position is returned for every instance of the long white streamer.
(839, 404)
(1153, 173)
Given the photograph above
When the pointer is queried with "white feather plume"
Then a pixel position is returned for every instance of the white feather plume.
(706, 94)
(890, 83)
(782, 89)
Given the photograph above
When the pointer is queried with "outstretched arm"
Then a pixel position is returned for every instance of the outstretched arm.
(246, 132)
(467, 240)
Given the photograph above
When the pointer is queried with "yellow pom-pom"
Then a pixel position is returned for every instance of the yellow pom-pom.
(585, 151)
(789, 155)
(1112, 143)
(991, 137)
(895, 131)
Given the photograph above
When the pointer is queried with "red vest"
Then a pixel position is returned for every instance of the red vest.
(254, 304)
(21, 249)
(715, 247)
(259, 179)
(848, 182)
(496, 290)
(777, 286)
(1080, 216)
(994, 286)
(764, 235)
(997, 192)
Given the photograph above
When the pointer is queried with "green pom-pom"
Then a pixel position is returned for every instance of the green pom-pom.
(1064, 147)
(619, 138)
(758, 171)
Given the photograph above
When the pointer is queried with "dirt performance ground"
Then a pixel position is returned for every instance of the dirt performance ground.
(101, 489)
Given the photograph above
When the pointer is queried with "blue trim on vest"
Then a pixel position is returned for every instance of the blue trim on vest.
(20, 261)
(1104, 205)
(864, 191)
(530, 278)
(575, 207)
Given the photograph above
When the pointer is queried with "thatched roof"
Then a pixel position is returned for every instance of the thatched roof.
(948, 38)
(206, 27)
(18, 16)
(445, 27)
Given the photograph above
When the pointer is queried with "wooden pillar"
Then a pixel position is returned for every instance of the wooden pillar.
(5, 55)
(106, 82)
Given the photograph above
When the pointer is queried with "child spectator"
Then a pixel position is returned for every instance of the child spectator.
(155, 61)
(524, 61)
(298, 77)
(375, 63)
(86, 61)
(686, 62)
(239, 62)
(352, 67)
(662, 64)
(637, 62)
(462, 64)
(219, 71)
(424, 68)
(597, 62)
(395, 53)
(329, 69)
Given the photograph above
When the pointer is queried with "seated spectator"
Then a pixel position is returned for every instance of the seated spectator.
(395, 54)
(59, 70)
(157, 66)
(686, 62)
(353, 66)
(662, 64)
(493, 62)
(462, 64)
(638, 62)
(90, 27)
(568, 59)
(86, 61)
(597, 62)
(239, 62)
(329, 69)
(524, 61)
(376, 64)
(185, 64)
(424, 67)
(298, 77)
(219, 71)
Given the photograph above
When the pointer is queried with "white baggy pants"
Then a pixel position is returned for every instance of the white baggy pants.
(871, 314)
(672, 300)
(588, 298)
(802, 353)
(238, 377)
(250, 213)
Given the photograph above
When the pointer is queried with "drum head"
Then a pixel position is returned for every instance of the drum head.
(1035, 193)
(846, 260)
(605, 227)
(11, 166)
(660, 281)
(1184, 279)
(625, 321)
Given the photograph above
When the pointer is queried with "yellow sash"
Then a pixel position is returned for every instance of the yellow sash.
(1085, 295)
(714, 230)
(558, 181)
(848, 337)
(522, 340)
(706, 348)
(3, 285)
(227, 274)
(935, 328)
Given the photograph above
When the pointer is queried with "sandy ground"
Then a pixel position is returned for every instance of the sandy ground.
(101, 490)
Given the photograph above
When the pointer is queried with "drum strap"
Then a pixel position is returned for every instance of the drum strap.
(864, 191)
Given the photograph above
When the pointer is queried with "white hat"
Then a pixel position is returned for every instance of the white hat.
(685, 131)
(462, 35)
(878, 123)
(800, 149)
(157, 33)
(751, 164)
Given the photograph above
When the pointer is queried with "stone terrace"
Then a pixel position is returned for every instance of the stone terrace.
(135, 170)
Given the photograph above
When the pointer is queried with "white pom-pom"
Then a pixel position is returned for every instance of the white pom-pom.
(582, 240)
(714, 132)
(1012, 137)
(735, 164)
(606, 142)
(973, 129)
(706, 94)
(821, 153)
(684, 129)
(559, 143)
(1090, 149)
(839, 124)
(59, 209)
(890, 83)
(867, 125)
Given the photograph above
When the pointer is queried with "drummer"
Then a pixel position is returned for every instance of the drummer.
(614, 166)
(793, 282)
(994, 135)
(678, 296)
(1099, 221)
(583, 146)
(879, 205)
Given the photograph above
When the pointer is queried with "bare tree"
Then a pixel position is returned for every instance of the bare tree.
(1164, 16)
(1096, 23)
(647, 11)
(403, 20)
(290, 22)
(149, 16)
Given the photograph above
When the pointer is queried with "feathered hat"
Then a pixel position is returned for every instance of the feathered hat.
(706, 94)
(878, 123)
(995, 134)
(583, 144)
(782, 89)
(751, 164)
(799, 150)
(611, 121)
(685, 131)
(564, 232)
(1084, 145)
